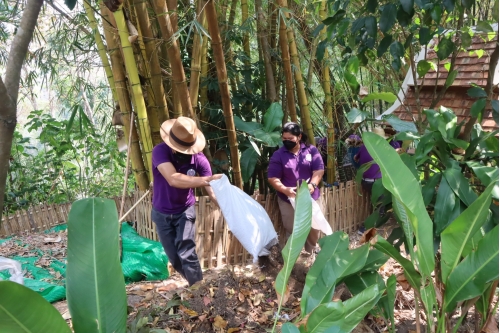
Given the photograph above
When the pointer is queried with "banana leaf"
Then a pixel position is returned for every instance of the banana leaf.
(95, 284)
(289, 328)
(301, 228)
(399, 180)
(24, 310)
(470, 278)
(455, 237)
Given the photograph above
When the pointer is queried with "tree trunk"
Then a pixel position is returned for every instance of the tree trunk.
(140, 173)
(10, 89)
(299, 82)
(262, 35)
(330, 166)
(194, 83)
(213, 28)
(152, 59)
(174, 57)
(135, 86)
(287, 68)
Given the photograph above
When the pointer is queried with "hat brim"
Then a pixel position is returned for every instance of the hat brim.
(197, 147)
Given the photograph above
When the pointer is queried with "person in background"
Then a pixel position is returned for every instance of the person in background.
(373, 173)
(294, 162)
(178, 167)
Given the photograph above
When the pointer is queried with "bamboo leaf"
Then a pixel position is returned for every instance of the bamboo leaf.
(24, 310)
(273, 117)
(336, 242)
(398, 180)
(469, 279)
(248, 161)
(461, 230)
(384, 96)
(94, 280)
(295, 243)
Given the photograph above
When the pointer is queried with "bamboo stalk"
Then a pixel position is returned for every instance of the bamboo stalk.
(246, 44)
(135, 85)
(299, 81)
(262, 35)
(287, 68)
(174, 57)
(213, 28)
(101, 48)
(140, 173)
(153, 60)
(196, 58)
(126, 168)
(203, 78)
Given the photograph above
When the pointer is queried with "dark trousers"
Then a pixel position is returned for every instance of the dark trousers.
(367, 188)
(176, 232)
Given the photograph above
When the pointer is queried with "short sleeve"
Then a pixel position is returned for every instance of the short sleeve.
(161, 154)
(275, 169)
(317, 160)
(203, 166)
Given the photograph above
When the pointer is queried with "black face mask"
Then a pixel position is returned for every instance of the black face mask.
(289, 144)
(181, 158)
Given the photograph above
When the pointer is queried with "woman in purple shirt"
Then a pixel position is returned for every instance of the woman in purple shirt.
(294, 162)
(178, 167)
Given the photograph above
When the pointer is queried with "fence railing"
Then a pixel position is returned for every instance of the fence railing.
(345, 209)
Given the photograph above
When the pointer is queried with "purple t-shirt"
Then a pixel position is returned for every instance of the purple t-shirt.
(290, 168)
(168, 199)
(364, 157)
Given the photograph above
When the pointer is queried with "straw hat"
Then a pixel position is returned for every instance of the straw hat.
(379, 131)
(183, 135)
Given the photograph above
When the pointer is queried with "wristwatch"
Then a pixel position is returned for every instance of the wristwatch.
(314, 185)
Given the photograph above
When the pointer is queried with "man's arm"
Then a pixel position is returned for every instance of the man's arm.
(179, 180)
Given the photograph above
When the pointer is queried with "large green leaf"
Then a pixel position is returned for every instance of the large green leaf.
(388, 17)
(374, 261)
(423, 67)
(400, 125)
(246, 126)
(325, 316)
(445, 48)
(248, 161)
(399, 180)
(410, 273)
(340, 265)
(271, 139)
(407, 6)
(295, 243)
(289, 328)
(429, 189)
(24, 310)
(384, 45)
(273, 117)
(445, 204)
(384, 96)
(486, 175)
(336, 242)
(357, 116)
(95, 285)
(357, 307)
(457, 234)
(478, 107)
(470, 277)
(460, 185)
(391, 298)
(404, 221)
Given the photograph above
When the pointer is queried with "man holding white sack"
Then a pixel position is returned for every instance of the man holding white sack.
(176, 162)
(295, 161)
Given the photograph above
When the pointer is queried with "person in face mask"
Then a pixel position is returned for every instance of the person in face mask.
(178, 167)
(295, 161)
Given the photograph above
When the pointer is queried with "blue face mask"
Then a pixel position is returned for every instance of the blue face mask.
(289, 144)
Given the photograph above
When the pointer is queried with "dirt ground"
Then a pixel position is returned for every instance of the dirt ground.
(230, 298)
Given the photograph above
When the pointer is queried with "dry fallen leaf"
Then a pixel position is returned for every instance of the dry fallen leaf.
(233, 329)
(367, 235)
(52, 239)
(241, 297)
(258, 298)
(211, 292)
(262, 277)
(206, 300)
(202, 317)
(219, 322)
(283, 299)
(148, 297)
(145, 287)
(187, 311)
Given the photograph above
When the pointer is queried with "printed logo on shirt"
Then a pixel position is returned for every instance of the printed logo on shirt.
(191, 172)
(308, 157)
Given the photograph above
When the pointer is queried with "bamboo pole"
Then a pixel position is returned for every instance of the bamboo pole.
(101, 49)
(262, 35)
(174, 57)
(299, 81)
(135, 85)
(213, 28)
(203, 78)
(153, 60)
(140, 173)
(125, 182)
(246, 44)
(196, 58)
(330, 166)
(287, 68)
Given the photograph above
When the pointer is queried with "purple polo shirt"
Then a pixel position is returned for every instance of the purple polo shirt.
(290, 168)
(364, 157)
(168, 199)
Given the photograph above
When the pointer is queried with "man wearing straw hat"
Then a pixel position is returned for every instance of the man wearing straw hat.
(178, 167)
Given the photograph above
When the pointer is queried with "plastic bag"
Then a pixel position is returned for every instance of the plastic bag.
(14, 267)
(246, 218)
(318, 219)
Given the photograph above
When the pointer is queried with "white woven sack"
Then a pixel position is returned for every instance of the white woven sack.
(245, 217)
(319, 221)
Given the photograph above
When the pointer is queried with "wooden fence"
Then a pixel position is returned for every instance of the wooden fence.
(42, 217)
(345, 209)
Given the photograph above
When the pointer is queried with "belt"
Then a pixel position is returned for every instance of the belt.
(369, 180)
